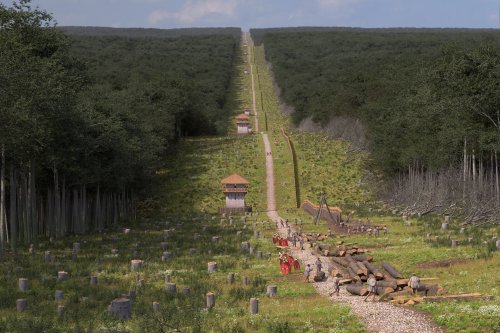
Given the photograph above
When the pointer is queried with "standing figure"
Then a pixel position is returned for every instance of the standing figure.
(372, 287)
(336, 284)
(414, 283)
(307, 272)
(319, 266)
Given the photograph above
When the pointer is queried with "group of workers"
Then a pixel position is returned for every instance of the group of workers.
(287, 262)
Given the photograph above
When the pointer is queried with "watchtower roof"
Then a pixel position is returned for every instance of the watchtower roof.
(235, 179)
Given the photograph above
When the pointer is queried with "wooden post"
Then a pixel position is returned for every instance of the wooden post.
(166, 255)
(254, 306)
(210, 300)
(272, 291)
(245, 280)
(230, 277)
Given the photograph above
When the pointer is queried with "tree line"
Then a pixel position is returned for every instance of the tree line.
(86, 121)
(428, 100)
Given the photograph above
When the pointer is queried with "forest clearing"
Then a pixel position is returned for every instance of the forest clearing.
(115, 143)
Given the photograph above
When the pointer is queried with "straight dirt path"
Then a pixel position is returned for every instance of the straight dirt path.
(378, 317)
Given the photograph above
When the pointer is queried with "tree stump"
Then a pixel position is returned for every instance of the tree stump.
(428, 235)
(272, 291)
(47, 256)
(156, 306)
(60, 310)
(254, 306)
(167, 233)
(132, 293)
(259, 254)
(170, 288)
(238, 233)
(114, 252)
(246, 281)
(256, 233)
(268, 255)
(186, 291)
(166, 255)
(212, 267)
(210, 300)
(251, 250)
(62, 276)
(74, 255)
(447, 219)
(462, 230)
(192, 251)
(245, 246)
(454, 243)
(230, 277)
(93, 280)
(163, 245)
(23, 284)
(436, 238)
(21, 305)
(136, 264)
(215, 239)
(121, 308)
(126, 231)
(497, 244)
(444, 226)
(59, 295)
(167, 277)
(141, 283)
(197, 236)
(76, 247)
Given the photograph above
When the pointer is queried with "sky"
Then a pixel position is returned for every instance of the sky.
(273, 13)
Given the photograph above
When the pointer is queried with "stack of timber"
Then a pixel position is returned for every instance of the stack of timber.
(343, 250)
(391, 285)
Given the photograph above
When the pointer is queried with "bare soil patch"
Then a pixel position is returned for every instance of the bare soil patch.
(443, 263)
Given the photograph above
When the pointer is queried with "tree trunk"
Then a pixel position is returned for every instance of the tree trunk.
(2, 200)
(13, 209)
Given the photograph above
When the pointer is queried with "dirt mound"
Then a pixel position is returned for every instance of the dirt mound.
(443, 263)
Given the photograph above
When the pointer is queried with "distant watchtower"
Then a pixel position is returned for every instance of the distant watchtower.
(243, 124)
(235, 188)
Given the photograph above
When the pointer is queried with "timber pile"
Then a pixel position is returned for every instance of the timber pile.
(390, 283)
(342, 250)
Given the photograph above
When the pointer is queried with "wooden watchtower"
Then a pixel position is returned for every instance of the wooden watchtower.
(235, 189)
(243, 124)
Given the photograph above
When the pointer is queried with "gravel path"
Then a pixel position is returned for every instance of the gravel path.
(379, 317)
(249, 61)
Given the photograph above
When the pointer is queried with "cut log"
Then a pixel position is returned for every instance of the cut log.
(402, 282)
(362, 257)
(210, 300)
(374, 270)
(357, 289)
(356, 269)
(353, 275)
(391, 270)
(340, 261)
(384, 290)
(459, 297)
(362, 268)
(389, 284)
(254, 306)
(272, 291)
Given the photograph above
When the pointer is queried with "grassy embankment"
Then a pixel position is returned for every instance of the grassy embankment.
(325, 166)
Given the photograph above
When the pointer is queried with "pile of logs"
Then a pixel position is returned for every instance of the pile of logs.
(342, 250)
(390, 283)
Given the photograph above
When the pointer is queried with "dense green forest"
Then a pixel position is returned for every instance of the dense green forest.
(428, 100)
(148, 32)
(85, 122)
